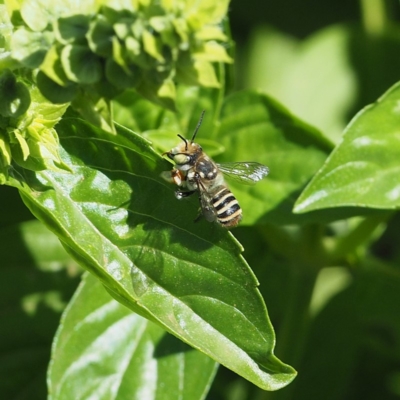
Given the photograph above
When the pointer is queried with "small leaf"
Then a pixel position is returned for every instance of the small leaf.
(36, 131)
(71, 29)
(14, 96)
(38, 15)
(6, 26)
(52, 68)
(182, 30)
(209, 32)
(80, 64)
(53, 91)
(163, 94)
(30, 48)
(164, 26)
(103, 350)
(135, 112)
(5, 158)
(23, 145)
(206, 12)
(122, 77)
(96, 111)
(363, 169)
(198, 72)
(206, 75)
(213, 52)
(100, 37)
(152, 46)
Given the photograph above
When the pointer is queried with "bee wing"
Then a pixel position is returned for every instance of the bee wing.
(244, 172)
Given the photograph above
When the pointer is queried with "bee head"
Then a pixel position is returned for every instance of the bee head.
(185, 154)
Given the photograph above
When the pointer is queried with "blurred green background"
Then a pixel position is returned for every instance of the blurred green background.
(324, 60)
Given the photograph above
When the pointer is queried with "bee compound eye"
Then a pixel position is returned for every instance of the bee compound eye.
(181, 159)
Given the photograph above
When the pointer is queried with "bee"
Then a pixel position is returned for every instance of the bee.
(196, 172)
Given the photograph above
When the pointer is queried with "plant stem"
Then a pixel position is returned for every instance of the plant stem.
(374, 16)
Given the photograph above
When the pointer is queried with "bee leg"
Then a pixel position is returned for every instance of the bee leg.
(180, 194)
(175, 176)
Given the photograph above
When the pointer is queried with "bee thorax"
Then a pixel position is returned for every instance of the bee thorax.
(206, 169)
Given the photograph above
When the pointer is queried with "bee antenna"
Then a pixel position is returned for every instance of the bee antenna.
(198, 125)
(184, 141)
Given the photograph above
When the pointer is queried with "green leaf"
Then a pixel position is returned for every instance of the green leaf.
(152, 46)
(198, 72)
(256, 128)
(122, 77)
(54, 88)
(71, 29)
(141, 115)
(121, 221)
(36, 136)
(81, 65)
(96, 111)
(52, 67)
(103, 350)
(23, 145)
(135, 112)
(6, 28)
(162, 94)
(164, 26)
(205, 12)
(5, 160)
(37, 278)
(213, 52)
(211, 33)
(100, 36)
(37, 14)
(363, 169)
(30, 48)
(14, 96)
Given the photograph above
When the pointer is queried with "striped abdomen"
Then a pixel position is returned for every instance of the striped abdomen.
(227, 209)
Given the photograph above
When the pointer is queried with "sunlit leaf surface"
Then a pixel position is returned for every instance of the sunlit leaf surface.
(103, 350)
(363, 170)
(122, 222)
